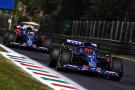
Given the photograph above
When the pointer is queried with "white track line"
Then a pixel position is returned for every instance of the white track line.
(49, 69)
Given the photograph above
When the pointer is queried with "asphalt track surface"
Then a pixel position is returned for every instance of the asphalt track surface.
(91, 82)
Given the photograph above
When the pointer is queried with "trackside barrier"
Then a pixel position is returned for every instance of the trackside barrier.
(115, 36)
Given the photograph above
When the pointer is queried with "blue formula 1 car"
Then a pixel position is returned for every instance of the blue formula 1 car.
(86, 57)
(27, 38)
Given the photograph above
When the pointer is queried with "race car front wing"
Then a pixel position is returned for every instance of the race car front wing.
(87, 68)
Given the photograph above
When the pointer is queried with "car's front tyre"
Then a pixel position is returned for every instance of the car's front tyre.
(117, 66)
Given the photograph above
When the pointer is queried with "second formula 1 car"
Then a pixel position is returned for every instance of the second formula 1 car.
(26, 38)
(86, 57)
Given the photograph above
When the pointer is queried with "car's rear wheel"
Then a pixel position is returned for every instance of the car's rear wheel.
(54, 56)
(117, 66)
(65, 58)
(9, 37)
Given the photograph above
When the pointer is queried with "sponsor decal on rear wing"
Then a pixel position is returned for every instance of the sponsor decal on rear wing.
(74, 42)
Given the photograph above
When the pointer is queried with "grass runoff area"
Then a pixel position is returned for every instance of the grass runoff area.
(13, 78)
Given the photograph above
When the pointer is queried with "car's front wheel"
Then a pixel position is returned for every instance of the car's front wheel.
(117, 66)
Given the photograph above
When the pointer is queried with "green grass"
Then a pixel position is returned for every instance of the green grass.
(0, 11)
(2, 50)
(13, 78)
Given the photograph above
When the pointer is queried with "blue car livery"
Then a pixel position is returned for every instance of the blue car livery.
(86, 57)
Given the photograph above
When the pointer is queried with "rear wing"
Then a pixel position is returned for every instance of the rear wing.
(73, 42)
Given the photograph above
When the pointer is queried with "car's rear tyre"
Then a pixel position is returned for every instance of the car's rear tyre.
(54, 56)
(117, 66)
(9, 37)
(65, 58)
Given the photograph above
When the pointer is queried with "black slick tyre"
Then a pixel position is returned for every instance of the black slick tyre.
(9, 37)
(65, 58)
(54, 56)
(117, 66)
